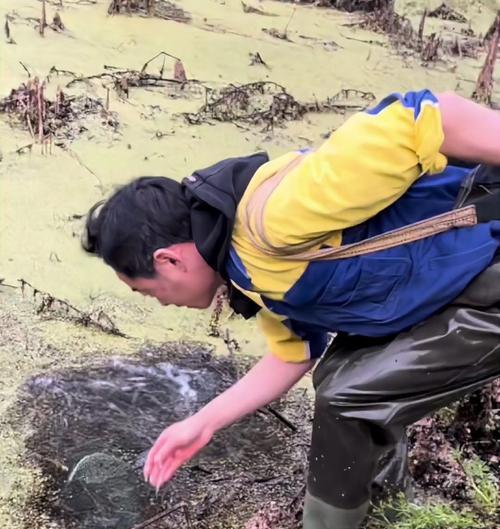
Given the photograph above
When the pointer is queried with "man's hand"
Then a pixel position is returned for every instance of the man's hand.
(175, 446)
(265, 382)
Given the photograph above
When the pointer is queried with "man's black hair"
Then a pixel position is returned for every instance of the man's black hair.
(142, 216)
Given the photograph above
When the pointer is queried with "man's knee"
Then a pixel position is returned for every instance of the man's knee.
(332, 401)
(341, 402)
(339, 396)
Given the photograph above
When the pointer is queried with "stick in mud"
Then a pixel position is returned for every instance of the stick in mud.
(421, 27)
(43, 20)
(281, 418)
(289, 21)
(25, 68)
(164, 514)
(4, 284)
(49, 303)
(150, 4)
(8, 35)
(484, 85)
(159, 54)
(39, 106)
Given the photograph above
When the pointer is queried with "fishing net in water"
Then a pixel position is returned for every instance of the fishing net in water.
(89, 430)
(104, 491)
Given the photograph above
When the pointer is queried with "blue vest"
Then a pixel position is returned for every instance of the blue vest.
(391, 290)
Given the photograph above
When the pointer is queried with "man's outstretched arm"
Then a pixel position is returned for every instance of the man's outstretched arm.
(266, 381)
(471, 131)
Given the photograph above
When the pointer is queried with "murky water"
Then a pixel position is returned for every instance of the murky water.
(90, 430)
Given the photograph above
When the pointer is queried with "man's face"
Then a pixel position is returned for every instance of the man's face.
(182, 278)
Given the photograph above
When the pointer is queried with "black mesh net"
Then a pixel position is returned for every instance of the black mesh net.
(90, 429)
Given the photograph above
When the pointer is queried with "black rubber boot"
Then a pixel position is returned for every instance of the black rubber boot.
(369, 390)
(321, 515)
(393, 476)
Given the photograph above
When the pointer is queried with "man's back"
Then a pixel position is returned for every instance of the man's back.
(364, 181)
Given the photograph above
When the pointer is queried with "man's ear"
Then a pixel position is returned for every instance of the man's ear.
(168, 257)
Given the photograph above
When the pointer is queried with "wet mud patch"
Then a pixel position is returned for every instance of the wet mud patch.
(88, 431)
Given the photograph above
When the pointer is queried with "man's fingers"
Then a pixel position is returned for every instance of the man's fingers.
(167, 471)
(166, 450)
(152, 453)
(175, 459)
(156, 470)
(172, 449)
(148, 465)
(162, 472)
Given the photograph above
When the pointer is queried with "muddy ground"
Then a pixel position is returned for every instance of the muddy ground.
(165, 91)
